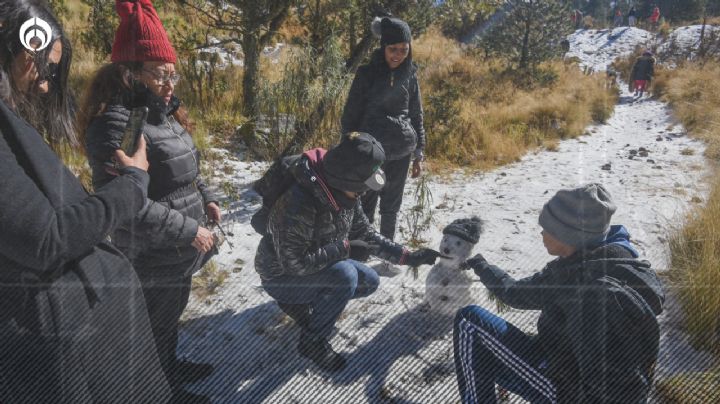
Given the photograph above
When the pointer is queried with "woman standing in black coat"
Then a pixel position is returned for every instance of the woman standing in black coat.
(168, 238)
(384, 101)
(73, 320)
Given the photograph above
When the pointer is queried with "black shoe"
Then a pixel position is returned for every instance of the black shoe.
(186, 397)
(188, 372)
(300, 313)
(320, 352)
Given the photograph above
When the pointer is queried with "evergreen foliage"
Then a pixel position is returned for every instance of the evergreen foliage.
(459, 19)
(529, 33)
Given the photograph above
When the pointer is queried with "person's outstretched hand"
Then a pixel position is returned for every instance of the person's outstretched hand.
(423, 256)
(477, 263)
(361, 250)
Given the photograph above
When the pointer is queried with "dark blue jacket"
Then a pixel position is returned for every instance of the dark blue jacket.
(597, 325)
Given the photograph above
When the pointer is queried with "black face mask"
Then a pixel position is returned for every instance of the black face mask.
(343, 200)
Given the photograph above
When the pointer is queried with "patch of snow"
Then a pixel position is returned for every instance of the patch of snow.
(596, 49)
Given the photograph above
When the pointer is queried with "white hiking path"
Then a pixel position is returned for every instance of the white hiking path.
(393, 351)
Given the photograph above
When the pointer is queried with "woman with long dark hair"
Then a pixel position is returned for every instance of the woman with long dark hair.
(73, 320)
(384, 101)
(168, 238)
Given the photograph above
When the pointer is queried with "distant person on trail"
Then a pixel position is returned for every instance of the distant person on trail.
(597, 335)
(73, 322)
(654, 18)
(577, 18)
(632, 16)
(310, 259)
(171, 237)
(565, 45)
(642, 73)
(385, 101)
(618, 20)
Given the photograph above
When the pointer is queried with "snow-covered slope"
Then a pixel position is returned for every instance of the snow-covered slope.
(598, 48)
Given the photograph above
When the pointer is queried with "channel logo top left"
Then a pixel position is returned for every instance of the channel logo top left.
(35, 34)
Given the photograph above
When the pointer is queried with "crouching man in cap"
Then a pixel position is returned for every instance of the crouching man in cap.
(310, 260)
(597, 335)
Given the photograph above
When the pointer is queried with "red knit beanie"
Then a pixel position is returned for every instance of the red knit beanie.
(140, 36)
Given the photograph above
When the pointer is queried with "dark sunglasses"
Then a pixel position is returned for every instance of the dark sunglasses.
(51, 71)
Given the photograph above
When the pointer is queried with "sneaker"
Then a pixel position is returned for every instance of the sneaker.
(300, 313)
(320, 352)
(188, 372)
(186, 397)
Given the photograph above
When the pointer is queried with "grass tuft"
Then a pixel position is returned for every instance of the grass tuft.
(206, 282)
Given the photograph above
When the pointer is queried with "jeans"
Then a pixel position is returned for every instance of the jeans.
(489, 350)
(396, 172)
(326, 292)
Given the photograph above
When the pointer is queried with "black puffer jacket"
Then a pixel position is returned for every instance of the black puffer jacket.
(308, 230)
(597, 327)
(386, 104)
(159, 239)
(643, 69)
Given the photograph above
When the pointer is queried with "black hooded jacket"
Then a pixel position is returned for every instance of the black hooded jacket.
(597, 326)
(386, 104)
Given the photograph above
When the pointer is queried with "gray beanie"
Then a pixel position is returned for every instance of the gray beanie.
(578, 217)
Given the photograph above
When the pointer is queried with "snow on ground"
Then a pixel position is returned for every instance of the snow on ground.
(598, 48)
(689, 37)
(654, 171)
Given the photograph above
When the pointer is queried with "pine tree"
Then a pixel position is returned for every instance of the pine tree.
(529, 33)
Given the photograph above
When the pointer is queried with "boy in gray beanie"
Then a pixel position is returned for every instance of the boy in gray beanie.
(597, 335)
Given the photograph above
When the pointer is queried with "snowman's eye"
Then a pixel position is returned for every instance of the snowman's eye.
(457, 243)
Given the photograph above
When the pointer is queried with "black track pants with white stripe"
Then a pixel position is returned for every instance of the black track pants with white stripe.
(489, 350)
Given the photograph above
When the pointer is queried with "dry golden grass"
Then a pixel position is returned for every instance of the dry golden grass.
(694, 94)
(493, 120)
(690, 388)
(695, 257)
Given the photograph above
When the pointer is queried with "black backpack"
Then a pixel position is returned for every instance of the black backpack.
(276, 180)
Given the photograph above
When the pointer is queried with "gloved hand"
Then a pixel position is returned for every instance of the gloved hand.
(423, 256)
(361, 250)
(337, 250)
(477, 263)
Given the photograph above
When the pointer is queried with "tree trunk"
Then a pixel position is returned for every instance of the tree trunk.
(251, 70)
(701, 47)
(524, 52)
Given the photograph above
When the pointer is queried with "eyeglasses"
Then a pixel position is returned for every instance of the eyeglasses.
(163, 78)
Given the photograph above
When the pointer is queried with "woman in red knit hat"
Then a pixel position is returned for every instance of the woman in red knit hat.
(168, 239)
